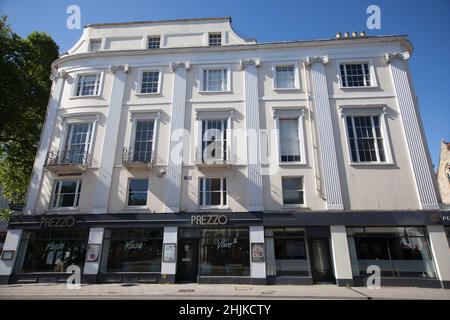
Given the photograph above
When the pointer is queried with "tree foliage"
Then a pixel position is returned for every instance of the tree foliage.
(25, 66)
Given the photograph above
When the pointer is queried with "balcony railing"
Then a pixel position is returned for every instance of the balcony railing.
(132, 158)
(67, 159)
(225, 158)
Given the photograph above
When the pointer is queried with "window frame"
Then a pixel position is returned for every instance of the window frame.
(367, 111)
(139, 82)
(296, 75)
(221, 205)
(290, 113)
(127, 198)
(100, 76)
(53, 195)
(70, 120)
(90, 44)
(214, 33)
(148, 41)
(294, 205)
(373, 78)
(226, 67)
(134, 117)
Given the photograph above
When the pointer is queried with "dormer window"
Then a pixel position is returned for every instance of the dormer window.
(95, 45)
(215, 39)
(154, 42)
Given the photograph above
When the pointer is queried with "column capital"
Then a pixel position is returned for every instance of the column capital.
(248, 62)
(55, 75)
(318, 59)
(398, 55)
(121, 67)
(179, 65)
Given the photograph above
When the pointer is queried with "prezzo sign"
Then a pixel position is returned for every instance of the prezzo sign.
(57, 222)
(209, 220)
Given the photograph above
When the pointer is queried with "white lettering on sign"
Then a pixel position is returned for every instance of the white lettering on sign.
(133, 245)
(55, 246)
(223, 243)
(445, 218)
(205, 220)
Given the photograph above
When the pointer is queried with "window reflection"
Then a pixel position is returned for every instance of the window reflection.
(399, 252)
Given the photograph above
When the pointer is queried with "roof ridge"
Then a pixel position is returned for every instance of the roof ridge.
(156, 21)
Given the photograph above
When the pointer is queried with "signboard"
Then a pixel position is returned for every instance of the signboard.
(62, 221)
(209, 220)
(92, 252)
(257, 252)
(169, 252)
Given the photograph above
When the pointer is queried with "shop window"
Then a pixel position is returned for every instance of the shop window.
(399, 252)
(51, 251)
(225, 252)
(286, 253)
(132, 250)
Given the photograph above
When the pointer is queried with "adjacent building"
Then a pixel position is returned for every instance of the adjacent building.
(443, 173)
(179, 151)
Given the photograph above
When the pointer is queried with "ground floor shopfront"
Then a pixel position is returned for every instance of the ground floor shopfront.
(409, 248)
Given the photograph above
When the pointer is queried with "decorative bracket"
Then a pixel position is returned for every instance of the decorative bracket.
(248, 62)
(121, 67)
(311, 60)
(175, 65)
(399, 55)
(55, 75)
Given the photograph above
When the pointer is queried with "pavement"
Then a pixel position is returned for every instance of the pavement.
(194, 291)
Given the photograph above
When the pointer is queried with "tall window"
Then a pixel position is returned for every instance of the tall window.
(355, 75)
(285, 77)
(215, 79)
(77, 144)
(398, 251)
(143, 140)
(132, 250)
(95, 45)
(88, 85)
(150, 82)
(154, 42)
(292, 190)
(214, 140)
(66, 193)
(289, 140)
(213, 192)
(215, 39)
(137, 192)
(365, 139)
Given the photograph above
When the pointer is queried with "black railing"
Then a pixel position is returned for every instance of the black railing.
(68, 157)
(132, 156)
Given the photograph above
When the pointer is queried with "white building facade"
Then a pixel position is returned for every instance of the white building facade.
(178, 151)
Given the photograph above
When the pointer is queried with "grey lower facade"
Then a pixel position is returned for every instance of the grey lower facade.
(347, 248)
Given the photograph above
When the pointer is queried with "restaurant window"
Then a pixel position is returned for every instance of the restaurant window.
(399, 252)
(286, 253)
(225, 252)
(51, 251)
(132, 250)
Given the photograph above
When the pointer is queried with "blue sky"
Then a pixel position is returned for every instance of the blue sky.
(426, 22)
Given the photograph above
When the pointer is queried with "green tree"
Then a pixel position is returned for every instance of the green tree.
(25, 66)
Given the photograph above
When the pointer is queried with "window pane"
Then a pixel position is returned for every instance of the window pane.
(137, 192)
(289, 140)
(143, 141)
(154, 42)
(211, 192)
(355, 75)
(150, 80)
(285, 77)
(292, 190)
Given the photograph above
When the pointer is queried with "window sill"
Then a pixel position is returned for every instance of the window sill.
(85, 97)
(359, 88)
(136, 208)
(213, 207)
(371, 164)
(290, 164)
(213, 92)
(62, 210)
(286, 89)
(295, 206)
(148, 94)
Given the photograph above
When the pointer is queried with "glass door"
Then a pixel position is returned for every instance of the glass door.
(321, 269)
